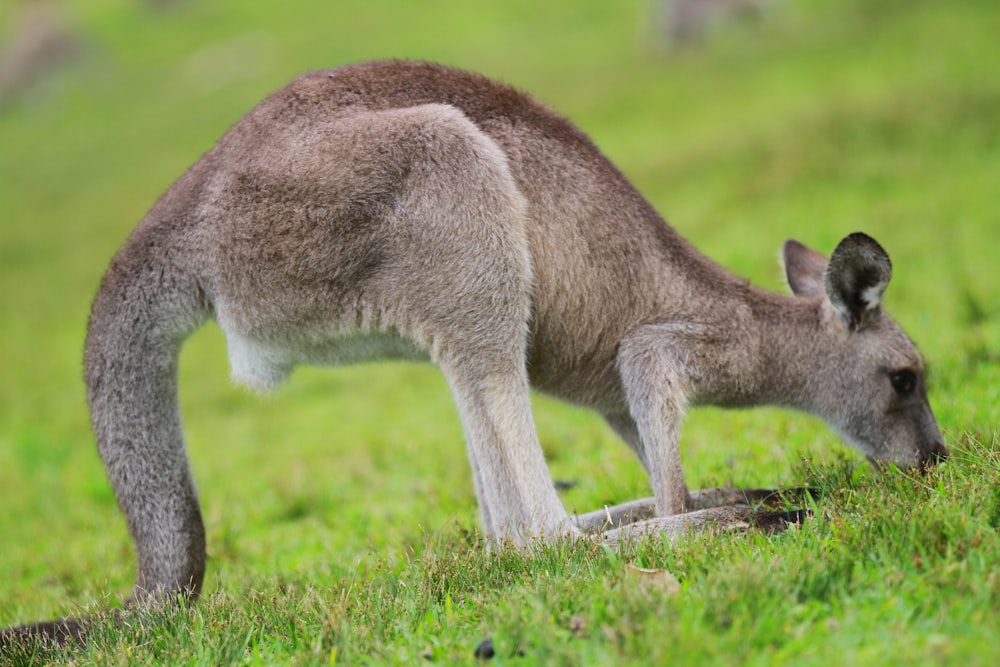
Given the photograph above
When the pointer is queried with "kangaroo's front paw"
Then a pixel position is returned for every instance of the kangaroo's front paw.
(773, 522)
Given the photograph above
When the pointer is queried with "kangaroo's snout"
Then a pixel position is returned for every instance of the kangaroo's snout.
(922, 459)
(937, 453)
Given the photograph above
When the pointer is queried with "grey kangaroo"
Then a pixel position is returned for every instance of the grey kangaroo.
(406, 210)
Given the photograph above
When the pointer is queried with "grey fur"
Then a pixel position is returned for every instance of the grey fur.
(406, 210)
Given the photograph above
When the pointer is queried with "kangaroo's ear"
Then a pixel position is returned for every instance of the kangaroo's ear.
(856, 278)
(804, 269)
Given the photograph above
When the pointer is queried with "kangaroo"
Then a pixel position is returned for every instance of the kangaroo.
(410, 211)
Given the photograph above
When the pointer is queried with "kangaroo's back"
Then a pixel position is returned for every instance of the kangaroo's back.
(590, 232)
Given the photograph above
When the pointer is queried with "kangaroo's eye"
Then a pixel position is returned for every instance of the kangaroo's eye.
(904, 382)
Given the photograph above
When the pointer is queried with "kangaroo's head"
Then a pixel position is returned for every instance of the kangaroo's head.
(868, 377)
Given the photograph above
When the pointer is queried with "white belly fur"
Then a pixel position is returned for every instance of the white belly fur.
(263, 365)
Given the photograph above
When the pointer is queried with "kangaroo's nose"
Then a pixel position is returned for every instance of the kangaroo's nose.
(937, 453)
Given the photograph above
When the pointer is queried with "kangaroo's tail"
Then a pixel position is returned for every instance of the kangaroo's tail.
(149, 301)
(26, 637)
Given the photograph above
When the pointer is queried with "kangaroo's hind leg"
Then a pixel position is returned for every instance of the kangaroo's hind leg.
(461, 287)
(516, 494)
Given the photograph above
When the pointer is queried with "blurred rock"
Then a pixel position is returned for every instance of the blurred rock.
(485, 650)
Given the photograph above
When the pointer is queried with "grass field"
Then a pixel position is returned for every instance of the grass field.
(341, 518)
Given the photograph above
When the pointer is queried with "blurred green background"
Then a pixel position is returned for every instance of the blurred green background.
(803, 119)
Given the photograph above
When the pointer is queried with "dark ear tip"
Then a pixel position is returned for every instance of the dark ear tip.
(859, 241)
(860, 246)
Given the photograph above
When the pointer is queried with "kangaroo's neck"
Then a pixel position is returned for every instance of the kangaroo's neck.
(763, 350)
(791, 330)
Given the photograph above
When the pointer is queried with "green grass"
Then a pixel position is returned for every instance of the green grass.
(340, 513)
